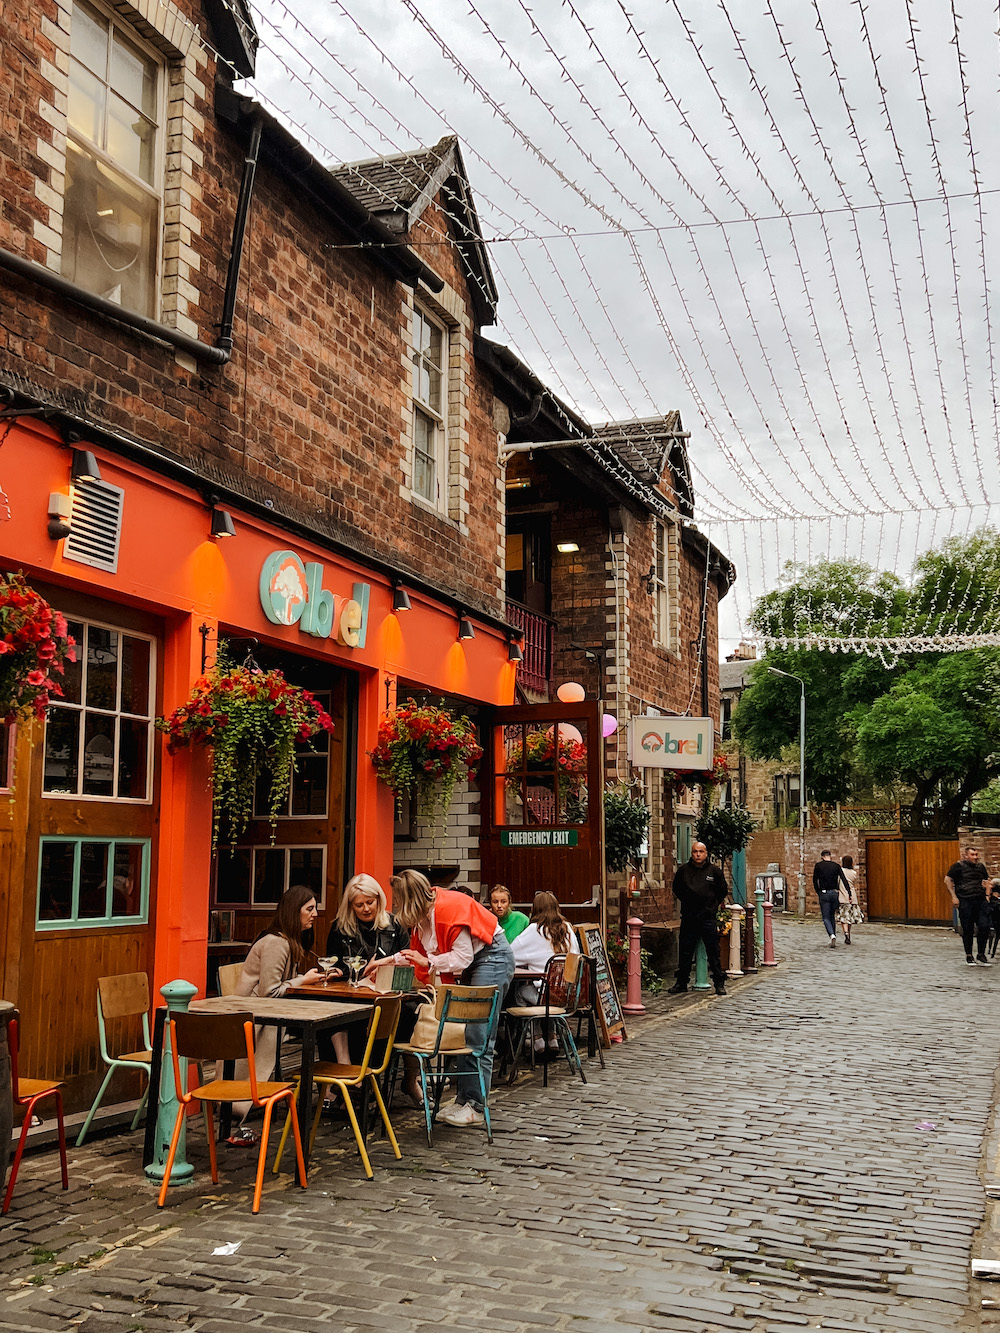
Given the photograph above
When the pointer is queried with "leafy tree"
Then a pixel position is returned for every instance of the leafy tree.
(725, 830)
(626, 820)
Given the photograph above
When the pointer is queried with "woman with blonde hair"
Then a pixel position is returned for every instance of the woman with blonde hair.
(457, 939)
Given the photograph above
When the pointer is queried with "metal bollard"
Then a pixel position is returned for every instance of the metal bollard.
(736, 913)
(701, 981)
(178, 995)
(759, 896)
(633, 996)
(768, 959)
(749, 941)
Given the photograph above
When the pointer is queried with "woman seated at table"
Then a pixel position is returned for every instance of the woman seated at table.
(457, 939)
(365, 928)
(513, 922)
(547, 934)
(272, 968)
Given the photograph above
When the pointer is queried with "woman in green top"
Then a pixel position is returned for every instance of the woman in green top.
(511, 923)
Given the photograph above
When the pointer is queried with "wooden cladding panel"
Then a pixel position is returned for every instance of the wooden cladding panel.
(926, 865)
(886, 873)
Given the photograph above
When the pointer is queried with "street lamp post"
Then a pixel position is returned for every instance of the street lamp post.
(802, 783)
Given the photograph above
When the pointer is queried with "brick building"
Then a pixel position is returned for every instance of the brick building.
(615, 588)
(223, 366)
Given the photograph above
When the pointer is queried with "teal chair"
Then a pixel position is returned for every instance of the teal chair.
(121, 997)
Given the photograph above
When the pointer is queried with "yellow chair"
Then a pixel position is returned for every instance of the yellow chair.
(126, 996)
(214, 1037)
(381, 1029)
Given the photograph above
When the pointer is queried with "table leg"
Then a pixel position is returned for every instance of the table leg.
(306, 1087)
(153, 1100)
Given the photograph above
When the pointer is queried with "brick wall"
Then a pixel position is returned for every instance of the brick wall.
(781, 846)
(453, 841)
(988, 842)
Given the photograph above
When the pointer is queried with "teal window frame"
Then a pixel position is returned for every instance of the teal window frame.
(74, 921)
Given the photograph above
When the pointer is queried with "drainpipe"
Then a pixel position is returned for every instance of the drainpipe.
(239, 236)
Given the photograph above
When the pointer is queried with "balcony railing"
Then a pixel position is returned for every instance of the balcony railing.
(535, 671)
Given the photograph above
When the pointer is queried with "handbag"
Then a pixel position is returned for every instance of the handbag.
(425, 1029)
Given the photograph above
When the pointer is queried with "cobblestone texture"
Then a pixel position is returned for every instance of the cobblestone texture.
(756, 1163)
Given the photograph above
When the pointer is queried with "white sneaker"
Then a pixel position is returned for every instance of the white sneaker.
(460, 1115)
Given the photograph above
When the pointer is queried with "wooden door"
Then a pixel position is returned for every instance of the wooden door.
(543, 805)
(886, 879)
(927, 862)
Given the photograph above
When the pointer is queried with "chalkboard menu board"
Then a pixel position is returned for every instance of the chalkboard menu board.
(609, 1009)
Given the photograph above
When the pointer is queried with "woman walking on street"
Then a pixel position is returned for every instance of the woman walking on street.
(849, 912)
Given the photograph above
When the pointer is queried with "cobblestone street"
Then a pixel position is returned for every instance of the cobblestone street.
(806, 1153)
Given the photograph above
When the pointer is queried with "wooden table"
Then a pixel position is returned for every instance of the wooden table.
(305, 1019)
(343, 990)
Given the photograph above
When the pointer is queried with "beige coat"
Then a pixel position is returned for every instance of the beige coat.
(851, 875)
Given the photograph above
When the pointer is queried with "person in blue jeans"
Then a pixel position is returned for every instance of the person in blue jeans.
(827, 879)
(966, 883)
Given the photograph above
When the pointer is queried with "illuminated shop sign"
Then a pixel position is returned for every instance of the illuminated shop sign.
(292, 593)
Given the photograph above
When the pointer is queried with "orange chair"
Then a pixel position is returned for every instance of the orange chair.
(212, 1037)
(28, 1091)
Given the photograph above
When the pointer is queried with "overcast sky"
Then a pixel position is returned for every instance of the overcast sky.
(780, 217)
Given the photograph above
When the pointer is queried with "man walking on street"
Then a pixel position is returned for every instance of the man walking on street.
(700, 888)
(966, 882)
(827, 879)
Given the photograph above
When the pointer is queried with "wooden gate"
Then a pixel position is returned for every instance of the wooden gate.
(905, 879)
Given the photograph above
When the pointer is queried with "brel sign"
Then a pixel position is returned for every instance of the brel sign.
(672, 742)
(292, 593)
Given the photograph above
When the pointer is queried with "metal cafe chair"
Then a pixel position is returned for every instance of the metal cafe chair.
(213, 1037)
(381, 1034)
(26, 1092)
(454, 1004)
(565, 976)
(126, 996)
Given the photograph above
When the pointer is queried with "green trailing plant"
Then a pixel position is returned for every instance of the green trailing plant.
(626, 823)
(725, 830)
(422, 751)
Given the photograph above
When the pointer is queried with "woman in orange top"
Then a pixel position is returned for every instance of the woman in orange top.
(457, 939)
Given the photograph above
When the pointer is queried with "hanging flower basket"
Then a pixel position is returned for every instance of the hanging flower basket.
(34, 647)
(422, 752)
(538, 755)
(252, 721)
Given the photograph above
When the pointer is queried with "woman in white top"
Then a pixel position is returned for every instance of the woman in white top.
(547, 933)
(849, 911)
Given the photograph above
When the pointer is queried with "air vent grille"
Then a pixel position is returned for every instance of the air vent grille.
(96, 525)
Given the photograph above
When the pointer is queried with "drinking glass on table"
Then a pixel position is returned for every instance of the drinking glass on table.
(356, 964)
(328, 965)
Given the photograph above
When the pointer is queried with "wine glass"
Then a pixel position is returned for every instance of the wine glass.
(328, 964)
(356, 964)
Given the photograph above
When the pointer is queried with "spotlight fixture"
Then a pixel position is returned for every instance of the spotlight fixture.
(514, 653)
(465, 629)
(400, 598)
(222, 523)
(59, 513)
(566, 548)
(84, 467)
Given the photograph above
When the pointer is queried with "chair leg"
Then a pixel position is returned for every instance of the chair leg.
(345, 1093)
(213, 1156)
(430, 1110)
(300, 1161)
(385, 1115)
(284, 1133)
(258, 1188)
(62, 1138)
(138, 1113)
(570, 1050)
(17, 1156)
(486, 1103)
(322, 1087)
(85, 1127)
(592, 1028)
(174, 1140)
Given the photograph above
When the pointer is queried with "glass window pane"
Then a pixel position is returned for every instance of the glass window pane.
(432, 352)
(88, 40)
(86, 103)
(73, 673)
(102, 667)
(135, 675)
(93, 900)
(513, 747)
(62, 750)
(110, 233)
(309, 786)
(232, 875)
(269, 874)
(572, 800)
(126, 883)
(306, 867)
(133, 75)
(541, 800)
(514, 806)
(131, 139)
(133, 752)
(55, 882)
(98, 755)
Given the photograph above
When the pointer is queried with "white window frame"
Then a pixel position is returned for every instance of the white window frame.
(154, 189)
(59, 705)
(664, 585)
(436, 416)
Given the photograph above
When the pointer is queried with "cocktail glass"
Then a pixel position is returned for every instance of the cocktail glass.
(356, 964)
(328, 965)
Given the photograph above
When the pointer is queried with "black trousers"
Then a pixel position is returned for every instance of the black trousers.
(693, 929)
(974, 918)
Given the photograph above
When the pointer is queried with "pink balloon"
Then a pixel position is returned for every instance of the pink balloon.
(571, 693)
(609, 725)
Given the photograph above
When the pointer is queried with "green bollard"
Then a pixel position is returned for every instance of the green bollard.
(701, 981)
(178, 995)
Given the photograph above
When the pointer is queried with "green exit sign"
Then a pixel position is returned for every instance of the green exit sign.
(568, 837)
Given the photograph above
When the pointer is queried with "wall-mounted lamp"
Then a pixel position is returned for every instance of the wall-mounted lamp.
(514, 653)
(84, 467)
(650, 578)
(566, 548)
(222, 523)
(465, 628)
(400, 598)
(59, 512)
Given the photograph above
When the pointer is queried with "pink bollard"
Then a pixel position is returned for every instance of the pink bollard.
(633, 996)
(768, 959)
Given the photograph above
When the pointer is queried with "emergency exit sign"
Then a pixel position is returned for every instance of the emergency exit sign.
(553, 837)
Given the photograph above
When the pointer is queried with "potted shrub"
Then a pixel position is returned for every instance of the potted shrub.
(422, 751)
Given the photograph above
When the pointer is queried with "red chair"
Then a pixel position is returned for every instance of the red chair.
(28, 1091)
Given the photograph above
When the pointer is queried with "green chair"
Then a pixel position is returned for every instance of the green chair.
(121, 997)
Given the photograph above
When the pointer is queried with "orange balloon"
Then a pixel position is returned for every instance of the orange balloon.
(571, 693)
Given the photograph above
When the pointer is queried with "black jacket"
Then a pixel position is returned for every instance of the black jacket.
(828, 877)
(369, 943)
(700, 888)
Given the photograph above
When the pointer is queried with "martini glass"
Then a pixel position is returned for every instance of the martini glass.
(356, 964)
(328, 965)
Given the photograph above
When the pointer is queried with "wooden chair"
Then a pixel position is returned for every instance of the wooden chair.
(454, 1004)
(213, 1037)
(381, 1035)
(26, 1092)
(229, 977)
(565, 977)
(121, 997)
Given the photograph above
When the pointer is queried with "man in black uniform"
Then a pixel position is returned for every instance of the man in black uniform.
(966, 882)
(699, 887)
